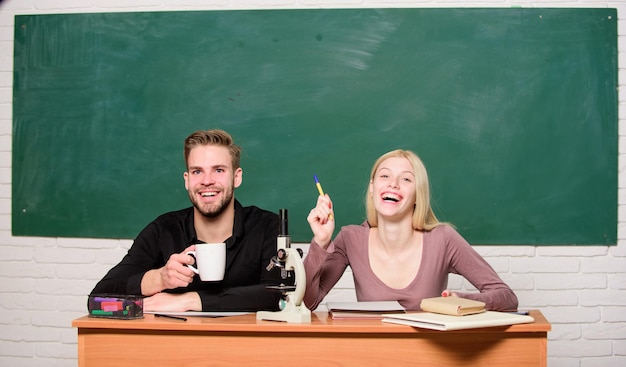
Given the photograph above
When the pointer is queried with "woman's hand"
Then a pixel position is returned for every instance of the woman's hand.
(448, 293)
(321, 221)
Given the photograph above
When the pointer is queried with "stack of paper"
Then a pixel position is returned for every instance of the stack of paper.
(435, 321)
(198, 313)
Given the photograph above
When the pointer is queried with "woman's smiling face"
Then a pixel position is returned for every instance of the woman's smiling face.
(393, 187)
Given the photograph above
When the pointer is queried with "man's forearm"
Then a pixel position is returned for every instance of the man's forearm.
(189, 301)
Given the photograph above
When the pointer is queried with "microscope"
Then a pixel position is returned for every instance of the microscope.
(292, 308)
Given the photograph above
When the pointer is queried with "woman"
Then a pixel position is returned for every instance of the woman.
(402, 252)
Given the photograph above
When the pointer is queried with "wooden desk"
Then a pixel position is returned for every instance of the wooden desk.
(244, 341)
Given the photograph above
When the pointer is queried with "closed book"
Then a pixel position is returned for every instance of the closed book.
(434, 321)
(454, 306)
(362, 310)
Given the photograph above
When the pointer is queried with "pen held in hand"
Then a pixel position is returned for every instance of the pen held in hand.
(170, 317)
(319, 189)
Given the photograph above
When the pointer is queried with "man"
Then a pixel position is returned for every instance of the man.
(156, 264)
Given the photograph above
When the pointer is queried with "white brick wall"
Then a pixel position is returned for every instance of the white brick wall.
(44, 281)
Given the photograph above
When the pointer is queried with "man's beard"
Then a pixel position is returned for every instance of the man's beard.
(212, 211)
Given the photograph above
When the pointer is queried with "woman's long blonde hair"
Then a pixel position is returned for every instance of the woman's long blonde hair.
(424, 218)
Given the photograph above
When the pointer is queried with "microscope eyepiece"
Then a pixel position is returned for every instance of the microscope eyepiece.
(283, 226)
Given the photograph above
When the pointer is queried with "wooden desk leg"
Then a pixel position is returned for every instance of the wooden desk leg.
(81, 349)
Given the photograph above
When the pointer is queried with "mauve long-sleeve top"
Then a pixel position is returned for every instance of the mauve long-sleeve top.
(444, 251)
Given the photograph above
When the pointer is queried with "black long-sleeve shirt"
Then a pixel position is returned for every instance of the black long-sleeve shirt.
(248, 252)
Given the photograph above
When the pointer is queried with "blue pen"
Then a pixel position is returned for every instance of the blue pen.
(519, 312)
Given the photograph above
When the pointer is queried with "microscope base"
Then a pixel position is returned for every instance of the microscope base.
(291, 313)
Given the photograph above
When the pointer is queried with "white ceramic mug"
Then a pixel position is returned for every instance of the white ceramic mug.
(210, 261)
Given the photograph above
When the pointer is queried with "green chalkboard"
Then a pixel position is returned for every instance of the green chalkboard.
(514, 112)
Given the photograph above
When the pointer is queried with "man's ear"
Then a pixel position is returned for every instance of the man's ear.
(186, 179)
(238, 179)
